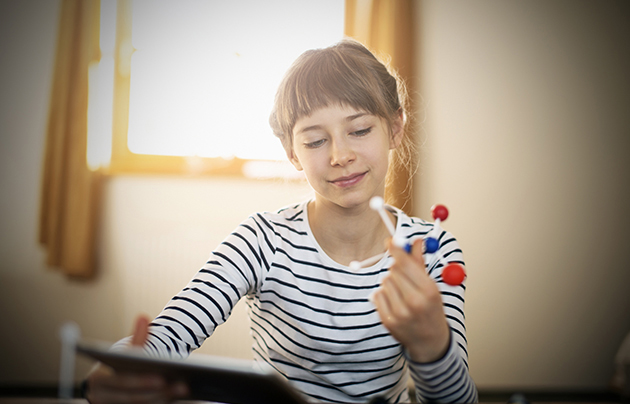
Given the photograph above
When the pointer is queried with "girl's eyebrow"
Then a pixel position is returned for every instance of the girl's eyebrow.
(349, 118)
(308, 128)
(355, 116)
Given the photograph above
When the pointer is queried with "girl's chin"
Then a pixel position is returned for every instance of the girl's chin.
(348, 201)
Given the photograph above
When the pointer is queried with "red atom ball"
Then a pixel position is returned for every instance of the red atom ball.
(453, 274)
(439, 212)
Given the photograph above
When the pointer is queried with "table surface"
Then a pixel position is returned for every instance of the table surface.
(40, 400)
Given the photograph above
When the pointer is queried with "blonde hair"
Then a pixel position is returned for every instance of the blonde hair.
(346, 74)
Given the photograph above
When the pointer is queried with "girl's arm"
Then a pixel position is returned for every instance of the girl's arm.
(427, 318)
(235, 269)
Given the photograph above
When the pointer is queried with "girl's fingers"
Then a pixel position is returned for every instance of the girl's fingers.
(396, 299)
(405, 288)
(416, 292)
(411, 265)
(417, 252)
(117, 396)
(107, 386)
(104, 377)
(141, 331)
(179, 390)
(405, 299)
(379, 299)
(139, 382)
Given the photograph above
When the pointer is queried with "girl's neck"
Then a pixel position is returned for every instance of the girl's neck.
(347, 234)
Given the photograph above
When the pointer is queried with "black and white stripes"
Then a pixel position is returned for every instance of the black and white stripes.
(310, 317)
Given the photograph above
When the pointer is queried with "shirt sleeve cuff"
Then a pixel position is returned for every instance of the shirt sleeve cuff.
(439, 366)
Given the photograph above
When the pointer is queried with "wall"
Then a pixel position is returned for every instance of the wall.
(527, 134)
(525, 139)
(156, 233)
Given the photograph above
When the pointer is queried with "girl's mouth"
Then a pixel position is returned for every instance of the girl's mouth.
(348, 180)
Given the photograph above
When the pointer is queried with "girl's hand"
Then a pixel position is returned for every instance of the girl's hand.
(410, 306)
(106, 386)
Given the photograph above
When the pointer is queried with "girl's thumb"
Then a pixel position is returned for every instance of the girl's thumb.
(141, 331)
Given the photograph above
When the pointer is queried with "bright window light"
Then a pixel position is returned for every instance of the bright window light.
(204, 73)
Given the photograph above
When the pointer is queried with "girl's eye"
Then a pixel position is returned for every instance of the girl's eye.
(362, 132)
(315, 144)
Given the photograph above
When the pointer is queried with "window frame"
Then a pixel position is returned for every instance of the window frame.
(124, 161)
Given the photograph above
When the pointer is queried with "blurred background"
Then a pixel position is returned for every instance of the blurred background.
(525, 135)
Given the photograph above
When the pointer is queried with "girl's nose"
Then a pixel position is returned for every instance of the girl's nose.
(341, 153)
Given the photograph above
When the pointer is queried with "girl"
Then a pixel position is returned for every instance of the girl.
(336, 334)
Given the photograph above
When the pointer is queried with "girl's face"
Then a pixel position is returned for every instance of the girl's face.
(344, 153)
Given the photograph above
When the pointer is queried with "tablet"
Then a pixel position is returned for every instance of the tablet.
(210, 378)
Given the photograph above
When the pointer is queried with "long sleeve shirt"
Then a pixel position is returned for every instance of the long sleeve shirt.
(310, 316)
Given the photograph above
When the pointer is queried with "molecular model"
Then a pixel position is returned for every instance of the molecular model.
(452, 273)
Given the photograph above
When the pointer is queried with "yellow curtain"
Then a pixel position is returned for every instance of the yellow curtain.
(386, 28)
(70, 191)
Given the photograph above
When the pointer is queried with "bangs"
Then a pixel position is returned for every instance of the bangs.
(346, 74)
(329, 80)
(326, 77)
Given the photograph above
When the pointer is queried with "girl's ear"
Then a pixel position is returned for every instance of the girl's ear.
(397, 131)
(294, 160)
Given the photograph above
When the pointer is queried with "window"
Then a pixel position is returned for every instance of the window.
(193, 82)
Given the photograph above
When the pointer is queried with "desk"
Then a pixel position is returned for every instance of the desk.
(40, 400)
(46, 395)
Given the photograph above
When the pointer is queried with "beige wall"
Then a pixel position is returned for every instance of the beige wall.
(526, 133)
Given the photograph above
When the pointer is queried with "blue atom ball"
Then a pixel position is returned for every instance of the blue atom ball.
(431, 245)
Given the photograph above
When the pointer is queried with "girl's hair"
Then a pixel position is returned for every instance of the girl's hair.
(346, 74)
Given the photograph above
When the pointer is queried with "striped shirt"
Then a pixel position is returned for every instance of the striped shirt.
(310, 317)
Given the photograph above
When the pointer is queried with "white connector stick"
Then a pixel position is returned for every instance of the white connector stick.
(70, 335)
(356, 265)
(437, 229)
(378, 204)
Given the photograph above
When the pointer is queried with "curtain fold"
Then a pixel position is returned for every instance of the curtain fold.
(386, 28)
(70, 191)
